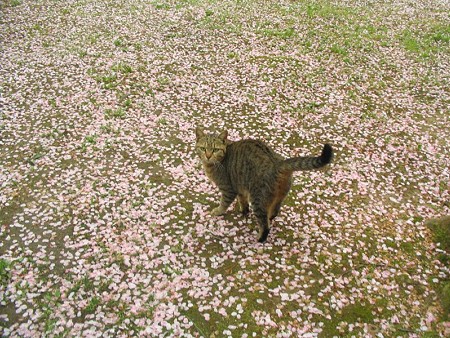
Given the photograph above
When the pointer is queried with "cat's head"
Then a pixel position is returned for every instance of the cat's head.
(210, 148)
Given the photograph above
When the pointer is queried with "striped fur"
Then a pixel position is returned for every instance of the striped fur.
(252, 172)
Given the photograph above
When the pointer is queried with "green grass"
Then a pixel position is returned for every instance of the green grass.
(430, 334)
(442, 35)
(162, 121)
(4, 271)
(163, 81)
(429, 42)
(92, 306)
(441, 235)
(10, 3)
(119, 113)
(90, 139)
(122, 67)
(93, 38)
(161, 5)
(127, 103)
(352, 313)
(36, 156)
(119, 42)
(339, 50)
(285, 33)
(109, 81)
(84, 282)
(326, 10)
(444, 294)
(411, 43)
(48, 302)
(440, 230)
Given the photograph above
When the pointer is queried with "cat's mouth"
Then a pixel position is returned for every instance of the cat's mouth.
(210, 161)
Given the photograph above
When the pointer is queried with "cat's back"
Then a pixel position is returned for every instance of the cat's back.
(254, 153)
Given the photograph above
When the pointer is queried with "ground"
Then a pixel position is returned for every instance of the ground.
(104, 208)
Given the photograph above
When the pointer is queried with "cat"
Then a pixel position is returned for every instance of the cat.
(251, 171)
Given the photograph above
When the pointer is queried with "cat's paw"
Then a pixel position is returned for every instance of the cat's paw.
(245, 211)
(262, 235)
(217, 211)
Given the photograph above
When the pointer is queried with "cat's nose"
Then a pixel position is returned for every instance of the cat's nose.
(208, 155)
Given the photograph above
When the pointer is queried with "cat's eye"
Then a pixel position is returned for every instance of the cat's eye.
(202, 148)
(216, 150)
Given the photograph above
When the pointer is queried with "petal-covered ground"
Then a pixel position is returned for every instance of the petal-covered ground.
(104, 208)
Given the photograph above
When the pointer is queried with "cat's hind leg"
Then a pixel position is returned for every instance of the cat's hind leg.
(244, 207)
(263, 220)
(283, 184)
(275, 211)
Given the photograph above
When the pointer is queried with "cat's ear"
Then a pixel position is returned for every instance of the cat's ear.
(223, 135)
(199, 132)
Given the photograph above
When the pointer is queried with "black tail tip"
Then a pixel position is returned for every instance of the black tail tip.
(327, 154)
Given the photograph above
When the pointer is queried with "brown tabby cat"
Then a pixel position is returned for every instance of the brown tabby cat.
(253, 172)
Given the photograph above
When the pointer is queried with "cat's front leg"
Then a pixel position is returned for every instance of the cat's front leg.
(225, 201)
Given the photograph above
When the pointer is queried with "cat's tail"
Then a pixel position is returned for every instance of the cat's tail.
(309, 162)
